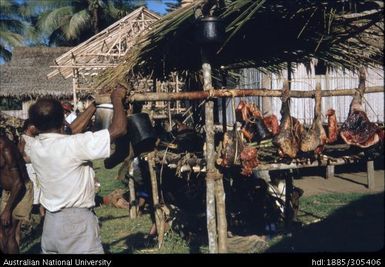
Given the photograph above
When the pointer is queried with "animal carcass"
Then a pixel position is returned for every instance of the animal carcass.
(332, 126)
(288, 138)
(315, 138)
(357, 130)
(249, 160)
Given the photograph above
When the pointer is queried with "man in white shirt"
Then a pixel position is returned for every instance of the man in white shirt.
(63, 168)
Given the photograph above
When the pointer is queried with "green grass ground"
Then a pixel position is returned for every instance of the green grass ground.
(120, 234)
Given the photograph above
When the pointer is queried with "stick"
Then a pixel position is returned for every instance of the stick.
(159, 218)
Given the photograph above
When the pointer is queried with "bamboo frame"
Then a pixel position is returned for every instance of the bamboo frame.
(96, 51)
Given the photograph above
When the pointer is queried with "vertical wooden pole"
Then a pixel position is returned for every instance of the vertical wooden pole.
(220, 199)
(288, 205)
(224, 117)
(210, 159)
(159, 218)
(224, 101)
(267, 110)
(134, 204)
(214, 181)
(75, 80)
(289, 71)
(329, 171)
(370, 174)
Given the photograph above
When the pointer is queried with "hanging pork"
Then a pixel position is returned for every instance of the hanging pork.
(231, 148)
(288, 138)
(249, 160)
(272, 124)
(332, 126)
(357, 130)
(315, 138)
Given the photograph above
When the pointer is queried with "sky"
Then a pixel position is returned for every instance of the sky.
(158, 5)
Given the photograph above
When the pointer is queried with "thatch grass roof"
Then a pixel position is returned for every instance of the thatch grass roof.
(265, 34)
(25, 76)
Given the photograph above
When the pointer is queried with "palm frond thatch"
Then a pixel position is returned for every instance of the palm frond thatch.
(264, 34)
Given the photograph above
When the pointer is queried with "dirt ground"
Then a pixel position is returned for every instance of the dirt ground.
(346, 179)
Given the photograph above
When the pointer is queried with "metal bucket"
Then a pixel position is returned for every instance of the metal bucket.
(103, 116)
(141, 133)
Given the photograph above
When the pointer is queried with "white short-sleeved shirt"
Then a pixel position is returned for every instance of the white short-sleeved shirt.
(31, 172)
(63, 167)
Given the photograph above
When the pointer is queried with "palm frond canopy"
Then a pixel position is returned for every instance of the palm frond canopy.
(265, 34)
(13, 28)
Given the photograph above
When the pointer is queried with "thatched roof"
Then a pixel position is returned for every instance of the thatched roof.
(265, 34)
(25, 76)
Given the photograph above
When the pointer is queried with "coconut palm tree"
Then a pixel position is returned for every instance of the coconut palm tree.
(69, 22)
(13, 28)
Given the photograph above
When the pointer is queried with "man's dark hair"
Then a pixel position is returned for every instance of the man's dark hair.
(26, 124)
(46, 114)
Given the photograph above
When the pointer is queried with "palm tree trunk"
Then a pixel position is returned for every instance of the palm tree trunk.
(95, 19)
(94, 7)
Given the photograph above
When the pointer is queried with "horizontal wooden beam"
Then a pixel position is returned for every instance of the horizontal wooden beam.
(299, 165)
(220, 93)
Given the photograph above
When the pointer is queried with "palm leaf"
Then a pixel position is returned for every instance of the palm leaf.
(78, 23)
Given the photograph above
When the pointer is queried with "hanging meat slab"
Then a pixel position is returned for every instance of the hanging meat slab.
(249, 160)
(357, 130)
(232, 146)
(332, 126)
(272, 124)
(287, 140)
(315, 138)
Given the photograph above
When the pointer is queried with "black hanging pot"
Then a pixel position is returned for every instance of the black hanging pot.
(209, 30)
(257, 130)
(261, 132)
(141, 133)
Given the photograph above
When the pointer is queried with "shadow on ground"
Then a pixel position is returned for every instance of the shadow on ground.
(357, 227)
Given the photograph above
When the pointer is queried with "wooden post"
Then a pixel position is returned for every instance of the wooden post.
(288, 206)
(159, 218)
(210, 159)
(214, 181)
(329, 171)
(133, 202)
(220, 198)
(224, 115)
(370, 173)
(75, 80)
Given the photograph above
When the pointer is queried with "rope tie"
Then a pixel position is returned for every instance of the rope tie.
(213, 175)
(211, 93)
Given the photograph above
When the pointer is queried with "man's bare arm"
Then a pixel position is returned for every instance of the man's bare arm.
(81, 122)
(118, 125)
(17, 188)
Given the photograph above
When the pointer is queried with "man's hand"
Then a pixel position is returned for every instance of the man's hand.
(119, 93)
(5, 218)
